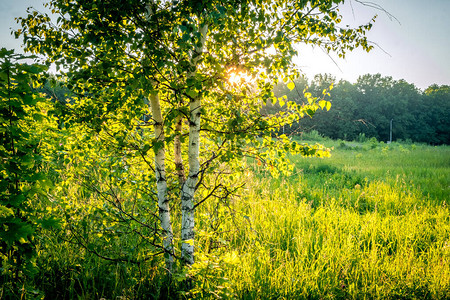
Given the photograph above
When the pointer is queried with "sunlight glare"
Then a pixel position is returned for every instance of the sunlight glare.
(236, 77)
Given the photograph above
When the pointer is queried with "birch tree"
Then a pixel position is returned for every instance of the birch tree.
(202, 70)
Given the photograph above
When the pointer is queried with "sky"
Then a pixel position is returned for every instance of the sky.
(414, 46)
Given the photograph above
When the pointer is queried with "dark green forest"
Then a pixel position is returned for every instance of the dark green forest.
(364, 110)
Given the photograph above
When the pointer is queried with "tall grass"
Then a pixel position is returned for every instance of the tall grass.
(370, 222)
(356, 226)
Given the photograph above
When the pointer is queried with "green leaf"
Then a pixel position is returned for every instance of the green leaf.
(51, 222)
(146, 148)
(291, 85)
(189, 242)
(322, 103)
(5, 211)
(191, 93)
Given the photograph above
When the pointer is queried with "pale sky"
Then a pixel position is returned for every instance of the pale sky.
(415, 48)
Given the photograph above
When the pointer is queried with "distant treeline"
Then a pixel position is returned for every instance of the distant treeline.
(366, 108)
(363, 109)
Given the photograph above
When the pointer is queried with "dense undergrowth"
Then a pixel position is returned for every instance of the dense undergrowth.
(372, 221)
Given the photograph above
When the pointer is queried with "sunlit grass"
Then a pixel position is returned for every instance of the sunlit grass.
(353, 226)
(370, 222)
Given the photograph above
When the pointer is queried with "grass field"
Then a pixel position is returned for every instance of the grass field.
(371, 222)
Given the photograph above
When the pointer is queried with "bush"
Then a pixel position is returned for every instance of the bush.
(312, 135)
(21, 177)
(362, 138)
(373, 142)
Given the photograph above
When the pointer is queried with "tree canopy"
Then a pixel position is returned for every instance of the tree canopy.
(199, 73)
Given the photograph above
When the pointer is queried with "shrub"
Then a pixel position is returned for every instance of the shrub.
(312, 135)
(362, 138)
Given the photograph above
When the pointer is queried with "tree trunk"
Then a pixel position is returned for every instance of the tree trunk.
(160, 169)
(188, 189)
(161, 183)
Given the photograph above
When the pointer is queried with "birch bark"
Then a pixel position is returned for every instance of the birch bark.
(188, 189)
(160, 170)
(161, 183)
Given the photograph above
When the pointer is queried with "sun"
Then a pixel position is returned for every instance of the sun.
(236, 77)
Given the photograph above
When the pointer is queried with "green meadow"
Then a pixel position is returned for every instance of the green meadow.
(370, 222)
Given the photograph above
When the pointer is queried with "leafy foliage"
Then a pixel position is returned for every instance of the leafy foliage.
(22, 180)
(165, 111)
(117, 57)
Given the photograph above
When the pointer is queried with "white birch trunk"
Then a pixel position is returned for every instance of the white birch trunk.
(161, 183)
(188, 189)
(160, 170)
